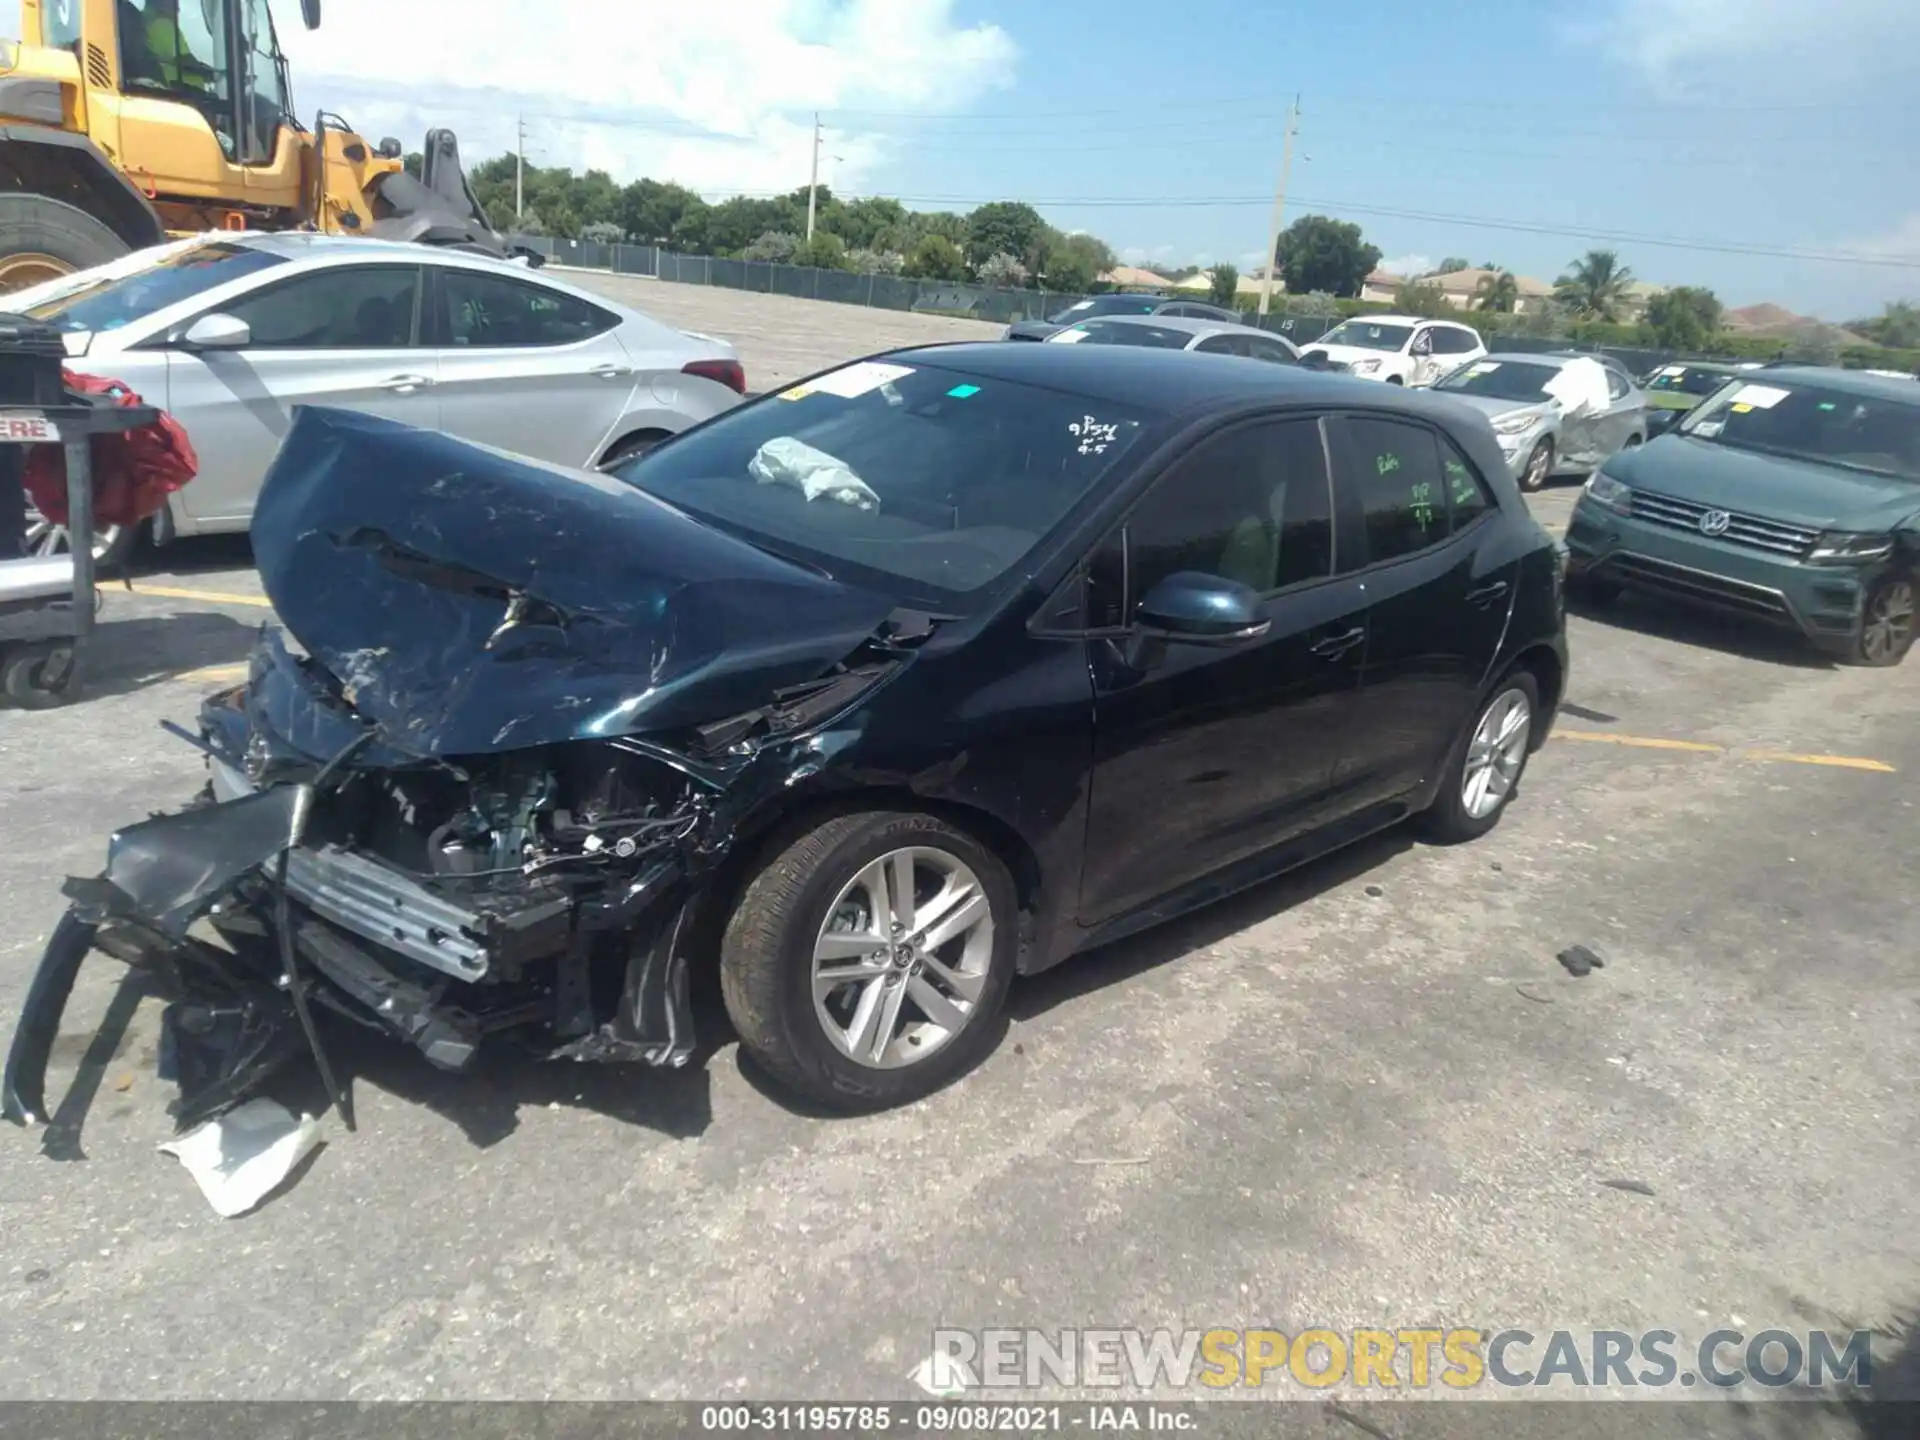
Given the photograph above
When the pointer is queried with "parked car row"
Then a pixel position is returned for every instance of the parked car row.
(230, 332)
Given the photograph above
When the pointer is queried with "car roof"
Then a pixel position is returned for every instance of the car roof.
(1556, 358)
(1845, 382)
(1165, 382)
(1188, 324)
(1406, 320)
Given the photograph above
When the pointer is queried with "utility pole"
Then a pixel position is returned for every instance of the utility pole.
(813, 176)
(520, 173)
(1279, 204)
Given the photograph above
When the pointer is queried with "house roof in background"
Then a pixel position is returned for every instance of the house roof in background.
(1134, 275)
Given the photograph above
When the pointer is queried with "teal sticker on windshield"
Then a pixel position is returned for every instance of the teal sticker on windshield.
(1827, 405)
(962, 392)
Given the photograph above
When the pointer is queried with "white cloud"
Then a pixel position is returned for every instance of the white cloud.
(1405, 265)
(718, 97)
(1789, 49)
(1902, 242)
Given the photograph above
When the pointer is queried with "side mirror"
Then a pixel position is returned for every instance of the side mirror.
(217, 332)
(310, 14)
(1662, 420)
(1197, 609)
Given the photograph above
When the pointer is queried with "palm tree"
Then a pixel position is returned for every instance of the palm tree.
(1498, 291)
(1596, 286)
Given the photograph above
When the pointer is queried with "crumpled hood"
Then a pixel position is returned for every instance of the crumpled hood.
(1821, 497)
(471, 601)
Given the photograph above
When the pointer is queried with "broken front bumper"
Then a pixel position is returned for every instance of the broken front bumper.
(360, 939)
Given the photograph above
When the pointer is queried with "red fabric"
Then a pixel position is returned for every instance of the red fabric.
(133, 471)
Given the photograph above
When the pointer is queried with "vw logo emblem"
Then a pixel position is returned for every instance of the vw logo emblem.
(1715, 522)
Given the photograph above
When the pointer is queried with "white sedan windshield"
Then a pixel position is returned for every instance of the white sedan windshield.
(110, 300)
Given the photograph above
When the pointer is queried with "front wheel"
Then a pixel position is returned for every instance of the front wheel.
(1886, 626)
(1487, 763)
(867, 960)
(1539, 466)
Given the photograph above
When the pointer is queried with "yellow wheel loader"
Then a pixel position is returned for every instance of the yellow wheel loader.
(125, 121)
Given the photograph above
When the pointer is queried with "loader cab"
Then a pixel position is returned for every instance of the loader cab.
(220, 57)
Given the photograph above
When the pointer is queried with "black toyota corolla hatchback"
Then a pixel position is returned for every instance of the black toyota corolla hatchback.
(920, 674)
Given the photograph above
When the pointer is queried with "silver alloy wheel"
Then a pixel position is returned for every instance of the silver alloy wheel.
(901, 960)
(1538, 463)
(1888, 625)
(46, 538)
(1496, 753)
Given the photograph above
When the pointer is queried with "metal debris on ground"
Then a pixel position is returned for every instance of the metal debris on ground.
(1581, 961)
(241, 1157)
(1539, 997)
(1632, 1187)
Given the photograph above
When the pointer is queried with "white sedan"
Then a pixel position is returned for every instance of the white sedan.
(230, 331)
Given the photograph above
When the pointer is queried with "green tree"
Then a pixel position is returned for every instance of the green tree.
(1224, 283)
(875, 262)
(1004, 227)
(652, 212)
(414, 163)
(1320, 253)
(862, 223)
(935, 257)
(1595, 288)
(1686, 317)
(1419, 298)
(603, 232)
(1004, 271)
(1071, 264)
(1898, 326)
(825, 251)
(1498, 293)
(1451, 264)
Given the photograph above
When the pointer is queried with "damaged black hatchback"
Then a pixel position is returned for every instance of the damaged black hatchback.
(928, 670)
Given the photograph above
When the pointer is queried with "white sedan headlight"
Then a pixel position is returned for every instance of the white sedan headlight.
(1606, 491)
(1365, 367)
(1516, 424)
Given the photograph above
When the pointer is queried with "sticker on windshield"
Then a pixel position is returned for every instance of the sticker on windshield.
(1071, 337)
(1094, 435)
(1763, 397)
(855, 380)
(1482, 367)
(1673, 369)
(964, 392)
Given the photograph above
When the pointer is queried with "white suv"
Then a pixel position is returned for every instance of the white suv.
(1399, 349)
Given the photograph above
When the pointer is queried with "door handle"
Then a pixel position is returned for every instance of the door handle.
(609, 371)
(404, 383)
(1337, 645)
(1487, 594)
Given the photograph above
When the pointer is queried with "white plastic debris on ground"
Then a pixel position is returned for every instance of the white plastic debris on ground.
(784, 460)
(1580, 387)
(238, 1158)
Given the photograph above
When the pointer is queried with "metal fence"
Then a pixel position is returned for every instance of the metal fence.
(939, 297)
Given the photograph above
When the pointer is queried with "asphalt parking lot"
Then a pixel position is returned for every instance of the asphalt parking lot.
(1363, 1095)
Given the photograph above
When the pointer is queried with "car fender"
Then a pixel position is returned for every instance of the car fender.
(642, 413)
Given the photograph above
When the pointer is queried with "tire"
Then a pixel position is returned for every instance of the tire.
(767, 962)
(1539, 467)
(42, 238)
(113, 545)
(1454, 817)
(38, 676)
(1887, 624)
(628, 446)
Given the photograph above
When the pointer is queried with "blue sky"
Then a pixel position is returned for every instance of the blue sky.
(1511, 130)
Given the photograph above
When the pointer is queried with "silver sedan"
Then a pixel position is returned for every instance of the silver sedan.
(1175, 332)
(1554, 414)
(230, 331)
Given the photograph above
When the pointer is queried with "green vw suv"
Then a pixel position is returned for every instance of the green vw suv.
(1791, 493)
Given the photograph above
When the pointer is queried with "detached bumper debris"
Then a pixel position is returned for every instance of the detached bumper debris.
(240, 1158)
(1581, 961)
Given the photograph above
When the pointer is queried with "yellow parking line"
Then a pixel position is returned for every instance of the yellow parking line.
(216, 597)
(1777, 757)
(212, 674)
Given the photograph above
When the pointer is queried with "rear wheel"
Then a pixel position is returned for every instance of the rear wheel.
(867, 960)
(42, 239)
(1886, 626)
(1487, 762)
(112, 544)
(628, 446)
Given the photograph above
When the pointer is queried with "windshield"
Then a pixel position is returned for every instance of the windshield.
(1106, 305)
(1688, 380)
(1811, 422)
(923, 482)
(1502, 380)
(110, 301)
(1096, 332)
(1364, 336)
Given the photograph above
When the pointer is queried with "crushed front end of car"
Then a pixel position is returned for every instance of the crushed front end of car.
(529, 711)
